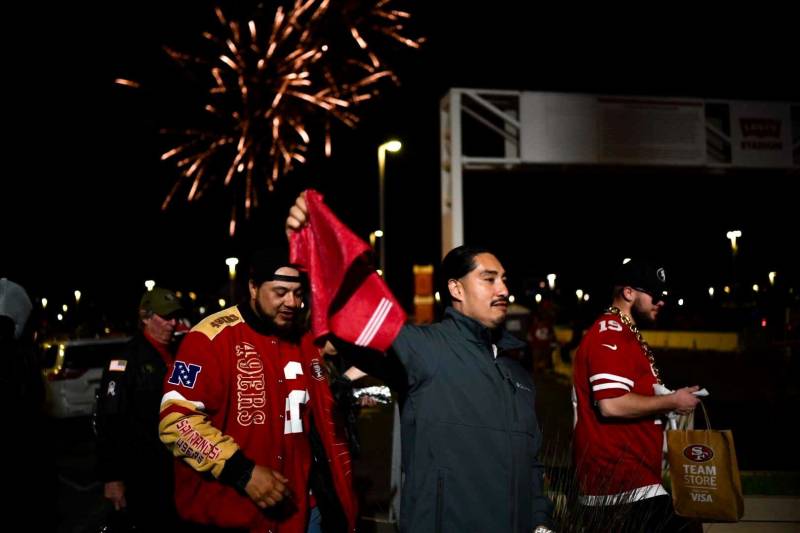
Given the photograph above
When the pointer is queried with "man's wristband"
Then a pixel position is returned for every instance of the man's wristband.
(241, 483)
(237, 471)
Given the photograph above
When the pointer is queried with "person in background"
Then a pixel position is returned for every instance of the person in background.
(33, 496)
(620, 405)
(136, 470)
(542, 337)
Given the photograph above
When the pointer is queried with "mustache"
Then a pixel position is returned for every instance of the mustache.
(502, 299)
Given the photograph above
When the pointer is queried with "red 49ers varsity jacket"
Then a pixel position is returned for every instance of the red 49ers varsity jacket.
(238, 395)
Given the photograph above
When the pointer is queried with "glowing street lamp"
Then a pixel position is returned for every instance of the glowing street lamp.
(393, 146)
(232, 262)
(771, 276)
(77, 296)
(732, 236)
(374, 236)
(149, 284)
(551, 281)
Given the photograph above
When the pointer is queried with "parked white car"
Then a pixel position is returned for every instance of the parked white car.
(73, 370)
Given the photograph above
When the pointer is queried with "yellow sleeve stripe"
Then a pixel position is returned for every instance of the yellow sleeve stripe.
(188, 434)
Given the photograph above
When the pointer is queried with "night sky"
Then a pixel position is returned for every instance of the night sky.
(87, 173)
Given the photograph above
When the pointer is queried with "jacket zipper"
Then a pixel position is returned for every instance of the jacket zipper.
(509, 397)
(439, 502)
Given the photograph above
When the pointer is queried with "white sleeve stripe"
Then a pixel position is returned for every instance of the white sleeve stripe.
(611, 386)
(175, 395)
(375, 322)
(612, 377)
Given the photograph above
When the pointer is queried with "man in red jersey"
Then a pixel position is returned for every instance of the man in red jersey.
(247, 407)
(619, 429)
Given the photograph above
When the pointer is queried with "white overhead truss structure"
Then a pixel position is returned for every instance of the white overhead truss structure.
(511, 129)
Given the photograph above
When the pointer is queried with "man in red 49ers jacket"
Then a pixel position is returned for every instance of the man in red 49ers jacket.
(247, 407)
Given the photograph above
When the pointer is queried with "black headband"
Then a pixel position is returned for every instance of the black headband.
(294, 279)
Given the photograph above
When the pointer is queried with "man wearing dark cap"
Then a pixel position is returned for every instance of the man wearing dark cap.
(134, 466)
(619, 406)
(247, 407)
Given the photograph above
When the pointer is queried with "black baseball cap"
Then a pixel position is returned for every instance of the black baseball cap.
(643, 275)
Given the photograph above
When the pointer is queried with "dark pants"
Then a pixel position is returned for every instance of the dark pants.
(151, 503)
(186, 527)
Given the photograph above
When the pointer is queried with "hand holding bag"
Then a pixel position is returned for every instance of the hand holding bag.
(704, 474)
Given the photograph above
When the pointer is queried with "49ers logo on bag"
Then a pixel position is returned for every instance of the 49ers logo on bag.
(698, 453)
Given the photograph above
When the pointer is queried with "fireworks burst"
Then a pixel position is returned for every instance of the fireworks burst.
(271, 84)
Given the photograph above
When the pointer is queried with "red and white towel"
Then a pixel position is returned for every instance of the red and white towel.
(348, 298)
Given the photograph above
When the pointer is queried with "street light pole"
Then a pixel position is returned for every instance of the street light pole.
(394, 473)
(389, 146)
(732, 236)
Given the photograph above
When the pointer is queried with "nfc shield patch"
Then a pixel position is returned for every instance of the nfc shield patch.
(184, 375)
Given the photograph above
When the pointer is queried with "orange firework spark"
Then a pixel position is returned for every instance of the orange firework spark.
(267, 87)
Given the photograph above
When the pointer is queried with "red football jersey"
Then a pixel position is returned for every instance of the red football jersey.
(614, 455)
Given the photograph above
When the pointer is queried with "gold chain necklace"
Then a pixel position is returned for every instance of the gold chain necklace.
(643, 343)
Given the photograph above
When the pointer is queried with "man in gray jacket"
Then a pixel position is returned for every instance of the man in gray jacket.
(469, 428)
